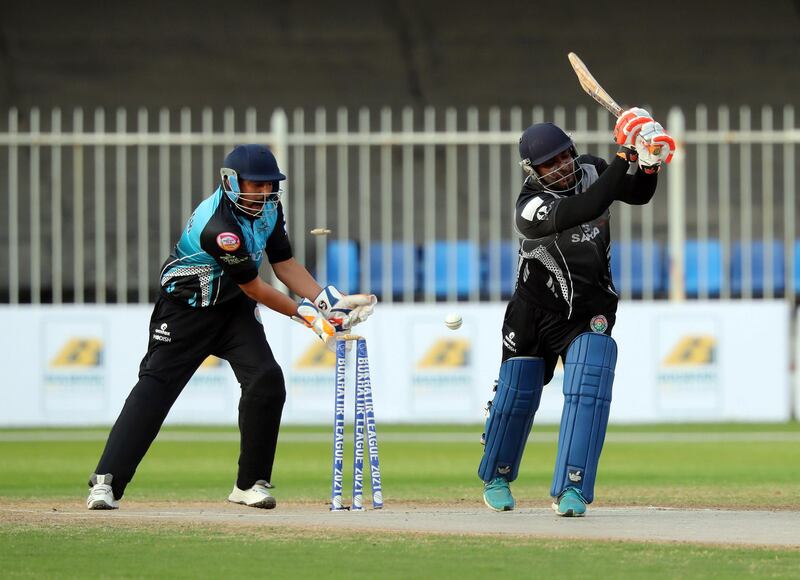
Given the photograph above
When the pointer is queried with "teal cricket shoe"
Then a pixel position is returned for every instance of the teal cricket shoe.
(570, 503)
(497, 495)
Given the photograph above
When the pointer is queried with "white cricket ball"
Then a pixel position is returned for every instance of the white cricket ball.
(453, 321)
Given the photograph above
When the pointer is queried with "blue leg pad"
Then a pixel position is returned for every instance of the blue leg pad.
(519, 390)
(588, 377)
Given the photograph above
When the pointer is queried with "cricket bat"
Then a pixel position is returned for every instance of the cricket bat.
(592, 87)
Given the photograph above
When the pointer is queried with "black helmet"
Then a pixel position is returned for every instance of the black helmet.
(543, 141)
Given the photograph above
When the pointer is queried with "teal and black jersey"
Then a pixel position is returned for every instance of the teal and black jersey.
(220, 249)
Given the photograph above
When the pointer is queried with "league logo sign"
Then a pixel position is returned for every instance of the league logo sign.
(74, 368)
(310, 378)
(688, 375)
(443, 373)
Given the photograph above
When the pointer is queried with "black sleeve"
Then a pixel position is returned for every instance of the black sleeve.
(278, 246)
(589, 205)
(224, 242)
(638, 189)
(540, 214)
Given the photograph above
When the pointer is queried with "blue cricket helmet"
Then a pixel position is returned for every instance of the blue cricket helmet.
(253, 162)
(543, 141)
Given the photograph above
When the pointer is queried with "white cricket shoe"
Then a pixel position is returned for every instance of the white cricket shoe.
(101, 496)
(257, 496)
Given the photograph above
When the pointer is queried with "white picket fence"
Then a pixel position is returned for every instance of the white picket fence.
(420, 202)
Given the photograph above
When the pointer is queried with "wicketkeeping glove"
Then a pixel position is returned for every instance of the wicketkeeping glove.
(629, 124)
(654, 147)
(345, 310)
(308, 315)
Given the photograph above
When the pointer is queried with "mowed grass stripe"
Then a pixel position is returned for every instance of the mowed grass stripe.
(79, 552)
(49, 436)
(420, 464)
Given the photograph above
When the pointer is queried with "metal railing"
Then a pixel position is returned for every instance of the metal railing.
(94, 206)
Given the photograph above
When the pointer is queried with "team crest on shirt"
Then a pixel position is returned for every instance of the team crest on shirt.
(228, 241)
(598, 324)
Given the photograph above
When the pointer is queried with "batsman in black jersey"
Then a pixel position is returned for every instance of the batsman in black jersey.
(565, 302)
(208, 305)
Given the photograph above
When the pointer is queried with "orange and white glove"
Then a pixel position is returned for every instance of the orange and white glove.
(654, 146)
(308, 315)
(629, 124)
(345, 310)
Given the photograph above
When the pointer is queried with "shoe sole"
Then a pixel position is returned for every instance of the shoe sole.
(504, 508)
(265, 504)
(101, 505)
(570, 513)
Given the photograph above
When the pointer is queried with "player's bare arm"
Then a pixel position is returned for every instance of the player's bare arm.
(297, 278)
(263, 293)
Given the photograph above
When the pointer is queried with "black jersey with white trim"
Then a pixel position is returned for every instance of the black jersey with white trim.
(568, 270)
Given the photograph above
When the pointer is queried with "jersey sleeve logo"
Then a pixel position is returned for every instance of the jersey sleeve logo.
(536, 209)
(228, 241)
(543, 212)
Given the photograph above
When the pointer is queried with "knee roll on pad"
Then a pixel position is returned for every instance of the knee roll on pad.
(519, 390)
(588, 377)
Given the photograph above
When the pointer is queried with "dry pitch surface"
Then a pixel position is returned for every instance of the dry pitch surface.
(651, 524)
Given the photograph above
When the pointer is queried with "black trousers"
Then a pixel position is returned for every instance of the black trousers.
(531, 331)
(181, 337)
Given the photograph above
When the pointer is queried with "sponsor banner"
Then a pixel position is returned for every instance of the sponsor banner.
(695, 361)
(688, 373)
(442, 372)
(308, 369)
(73, 367)
(703, 361)
(796, 390)
(69, 365)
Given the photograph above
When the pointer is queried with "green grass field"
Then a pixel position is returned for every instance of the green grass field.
(730, 466)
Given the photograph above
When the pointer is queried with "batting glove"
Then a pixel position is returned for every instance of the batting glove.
(308, 315)
(654, 146)
(344, 311)
(629, 124)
